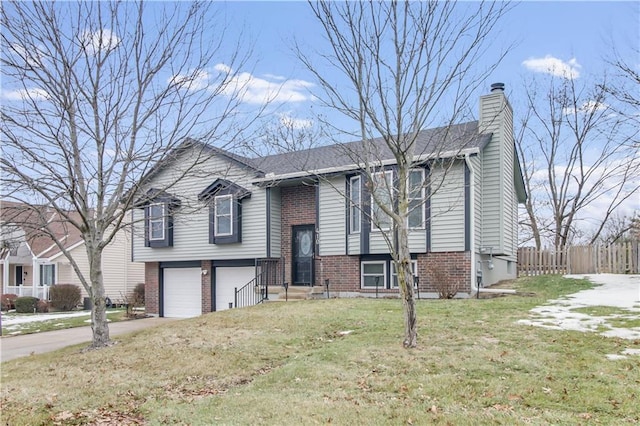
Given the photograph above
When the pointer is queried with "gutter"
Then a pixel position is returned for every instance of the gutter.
(272, 177)
(472, 236)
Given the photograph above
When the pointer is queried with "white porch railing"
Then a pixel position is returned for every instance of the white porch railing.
(41, 292)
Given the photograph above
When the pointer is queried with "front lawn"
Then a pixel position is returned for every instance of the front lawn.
(339, 361)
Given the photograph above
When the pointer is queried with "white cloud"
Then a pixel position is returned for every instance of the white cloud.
(96, 41)
(246, 87)
(222, 68)
(275, 77)
(24, 94)
(255, 90)
(34, 58)
(588, 107)
(295, 123)
(554, 66)
(197, 80)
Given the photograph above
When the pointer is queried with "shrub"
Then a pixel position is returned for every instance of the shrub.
(26, 304)
(42, 306)
(8, 301)
(64, 297)
(134, 300)
(447, 288)
(138, 294)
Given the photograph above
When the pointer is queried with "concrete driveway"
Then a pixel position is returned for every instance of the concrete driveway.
(19, 346)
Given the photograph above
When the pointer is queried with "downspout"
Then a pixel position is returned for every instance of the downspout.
(472, 216)
(5, 274)
(36, 274)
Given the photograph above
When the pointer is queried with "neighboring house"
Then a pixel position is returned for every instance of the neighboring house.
(31, 262)
(303, 218)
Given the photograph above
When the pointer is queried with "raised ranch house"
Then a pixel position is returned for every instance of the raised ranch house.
(242, 227)
(30, 261)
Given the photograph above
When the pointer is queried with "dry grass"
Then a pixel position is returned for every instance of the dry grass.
(291, 363)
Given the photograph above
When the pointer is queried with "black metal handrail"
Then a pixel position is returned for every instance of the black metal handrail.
(257, 290)
(252, 293)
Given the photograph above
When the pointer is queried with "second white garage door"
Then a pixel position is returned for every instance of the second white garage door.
(229, 278)
(182, 292)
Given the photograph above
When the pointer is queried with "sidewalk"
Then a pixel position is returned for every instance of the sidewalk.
(19, 346)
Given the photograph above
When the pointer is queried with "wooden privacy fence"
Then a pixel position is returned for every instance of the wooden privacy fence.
(622, 258)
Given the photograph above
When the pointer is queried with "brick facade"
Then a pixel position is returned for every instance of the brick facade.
(152, 288)
(206, 287)
(457, 268)
(343, 272)
(298, 204)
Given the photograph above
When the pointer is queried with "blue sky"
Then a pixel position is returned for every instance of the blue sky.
(576, 35)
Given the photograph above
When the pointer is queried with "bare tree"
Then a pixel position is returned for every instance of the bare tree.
(408, 66)
(620, 229)
(577, 153)
(624, 82)
(97, 93)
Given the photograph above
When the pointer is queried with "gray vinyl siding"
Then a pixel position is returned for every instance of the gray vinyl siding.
(499, 201)
(377, 243)
(493, 208)
(447, 210)
(332, 220)
(354, 243)
(418, 241)
(276, 223)
(191, 219)
(509, 201)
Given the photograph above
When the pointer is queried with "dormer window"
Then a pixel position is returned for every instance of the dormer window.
(225, 211)
(158, 217)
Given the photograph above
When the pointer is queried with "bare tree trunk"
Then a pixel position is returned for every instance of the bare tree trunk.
(405, 282)
(99, 323)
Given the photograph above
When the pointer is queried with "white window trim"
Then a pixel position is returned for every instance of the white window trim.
(216, 216)
(394, 274)
(54, 277)
(422, 198)
(383, 284)
(355, 212)
(154, 219)
(387, 187)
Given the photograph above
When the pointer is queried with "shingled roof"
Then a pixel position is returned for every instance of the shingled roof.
(432, 142)
(40, 225)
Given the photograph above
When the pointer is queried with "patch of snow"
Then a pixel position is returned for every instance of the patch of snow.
(620, 291)
(631, 352)
(12, 319)
(615, 357)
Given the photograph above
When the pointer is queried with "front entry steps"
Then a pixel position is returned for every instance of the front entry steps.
(301, 293)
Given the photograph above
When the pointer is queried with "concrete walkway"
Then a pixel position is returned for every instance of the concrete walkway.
(12, 347)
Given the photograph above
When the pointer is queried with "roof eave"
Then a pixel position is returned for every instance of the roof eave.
(272, 178)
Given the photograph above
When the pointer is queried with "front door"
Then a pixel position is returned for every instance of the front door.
(303, 251)
(19, 275)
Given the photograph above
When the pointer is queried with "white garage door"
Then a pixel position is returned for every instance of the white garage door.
(227, 279)
(182, 293)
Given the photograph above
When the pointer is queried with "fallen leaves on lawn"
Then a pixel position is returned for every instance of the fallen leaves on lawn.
(100, 417)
